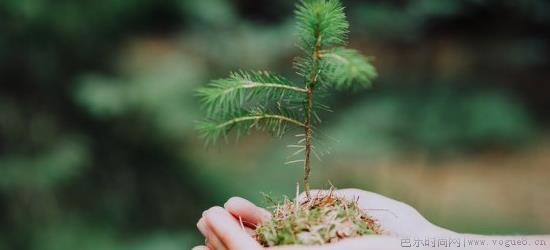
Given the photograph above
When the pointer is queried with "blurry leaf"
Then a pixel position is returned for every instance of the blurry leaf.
(347, 66)
(368, 129)
(436, 122)
(245, 45)
(215, 12)
(72, 234)
(47, 169)
(496, 118)
(163, 93)
(102, 96)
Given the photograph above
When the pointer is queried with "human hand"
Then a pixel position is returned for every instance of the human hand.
(232, 227)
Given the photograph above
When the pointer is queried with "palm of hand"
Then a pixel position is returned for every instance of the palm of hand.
(396, 219)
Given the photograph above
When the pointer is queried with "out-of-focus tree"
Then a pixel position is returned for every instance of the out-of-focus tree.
(97, 106)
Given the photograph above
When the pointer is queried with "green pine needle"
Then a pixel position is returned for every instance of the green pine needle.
(260, 100)
(322, 26)
(243, 89)
(323, 19)
(345, 66)
(274, 123)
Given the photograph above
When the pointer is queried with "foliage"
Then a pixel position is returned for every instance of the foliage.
(266, 101)
(45, 170)
(446, 121)
(320, 23)
(343, 66)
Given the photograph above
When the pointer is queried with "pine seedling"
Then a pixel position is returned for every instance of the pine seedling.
(262, 100)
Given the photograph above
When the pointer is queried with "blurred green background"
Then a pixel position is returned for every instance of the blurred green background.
(97, 109)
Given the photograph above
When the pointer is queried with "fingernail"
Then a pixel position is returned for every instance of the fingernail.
(229, 201)
(218, 208)
(202, 227)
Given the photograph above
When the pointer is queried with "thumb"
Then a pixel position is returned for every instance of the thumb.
(250, 213)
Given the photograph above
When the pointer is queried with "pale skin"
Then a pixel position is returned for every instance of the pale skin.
(223, 230)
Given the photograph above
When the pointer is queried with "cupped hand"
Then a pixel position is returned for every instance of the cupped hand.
(232, 227)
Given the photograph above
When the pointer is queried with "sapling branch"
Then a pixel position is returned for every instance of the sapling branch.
(251, 84)
(270, 102)
(259, 117)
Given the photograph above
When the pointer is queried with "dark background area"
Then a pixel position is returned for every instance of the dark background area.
(97, 111)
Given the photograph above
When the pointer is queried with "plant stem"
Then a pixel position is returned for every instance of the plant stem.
(307, 132)
(309, 109)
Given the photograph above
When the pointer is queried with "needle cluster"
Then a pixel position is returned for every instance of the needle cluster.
(261, 100)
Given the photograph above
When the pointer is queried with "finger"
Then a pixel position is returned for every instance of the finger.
(247, 211)
(302, 247)
(366, 243)
(200, 248)
(360, 243)
(211, 240)
(295, 247)
(214, 243)
(224, 226)
(251, 232)
(247, 227)
(203, 228)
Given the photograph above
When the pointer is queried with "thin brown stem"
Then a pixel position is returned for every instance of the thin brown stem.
(307, 131)
(309, 110)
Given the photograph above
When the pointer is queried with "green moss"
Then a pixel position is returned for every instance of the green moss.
(321, 219)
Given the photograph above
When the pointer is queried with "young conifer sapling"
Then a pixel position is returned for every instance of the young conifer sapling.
(261, 100)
